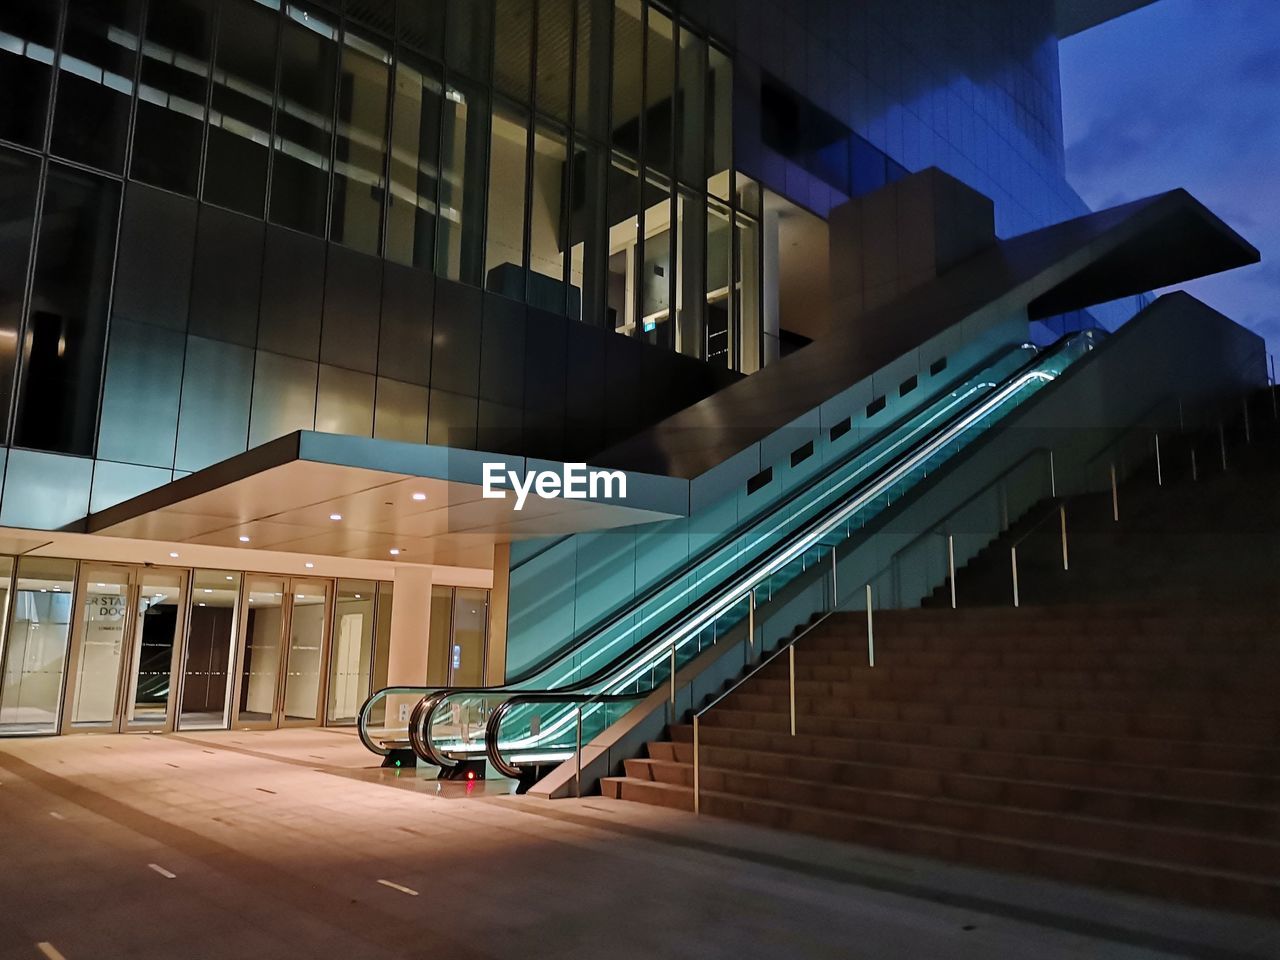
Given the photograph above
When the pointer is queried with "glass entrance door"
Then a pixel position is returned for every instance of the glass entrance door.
(123, 648)
(281, 673)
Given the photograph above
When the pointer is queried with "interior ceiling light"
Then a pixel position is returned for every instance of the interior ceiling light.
(244, 539)
(173, 555)
(335, 516)
(310, 566)
(395, 551)
(419, 496)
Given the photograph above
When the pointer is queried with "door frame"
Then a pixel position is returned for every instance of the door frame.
(131, 640)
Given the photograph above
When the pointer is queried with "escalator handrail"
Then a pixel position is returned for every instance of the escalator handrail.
(494, 726)
(814, 529)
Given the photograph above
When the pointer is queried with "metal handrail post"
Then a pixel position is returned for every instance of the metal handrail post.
(1053, 476)
(1115, 495)
(1248, 433)
(1159, 466)
(751, 625)
(871, 634)
(1062, 512)
(835, 592)
(1195, 470)
(1013, 563)
(673, 683)
(577, 756)
(791, 667)
(697, 793)
(1222, 444)
(951, 566)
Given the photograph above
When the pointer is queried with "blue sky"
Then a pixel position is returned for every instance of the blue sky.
(1186, 93)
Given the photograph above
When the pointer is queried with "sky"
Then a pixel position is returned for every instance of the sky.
(1186, 93)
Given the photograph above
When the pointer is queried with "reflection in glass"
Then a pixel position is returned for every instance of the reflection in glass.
(206, 674)
(19, 177)
(691, 108)
(415, 162)
(660, 57)
(304, 121)
(719, 122)
(66, 325)
(439, 637)
(28, 35)
(655, 268)
(460, 239)
(547, 220)
(504, 241)
(306, 650)
(359, 184)
(95, 83)
(747, 294)
(555, 64)
(155, 630)
(240, 121)
(101, 645)
(382, 648)
(628, 74)
(470, 36)
(169, 125)
(718, 347)
(623, 207)
(691, 301)
(260, 659)
(353, 646)
(35, 650)
(591, 70)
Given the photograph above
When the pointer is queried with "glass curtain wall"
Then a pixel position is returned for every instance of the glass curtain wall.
(35, 643)
(458, 643)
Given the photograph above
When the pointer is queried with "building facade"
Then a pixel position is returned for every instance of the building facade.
(528, 227)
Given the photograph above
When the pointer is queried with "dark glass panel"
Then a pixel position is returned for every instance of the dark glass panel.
(404, 336)
(452, 420)
(470, 35)
(344, 402)
(691, 108)
(284, 397)
(157, 245)
(400, 411)
(67, 318)
(240, 122)
(719, 122)
(513, 48)
(591, 70)
(292, 294)
(214, 419)
(359, 183)
(455, 347)
(227, 282)
(415, 162)
(623, 215)
(463, 148)
(691, 235)
(588, 231)
(140, 397)
(555, 58)
(99, 44)
(378, 14)
(502, 351)
(660, 82)
(504, 237)
(169, 128)
(28, 34)
(352, 294)
(19, 178)
(422, 25)
(304, 120)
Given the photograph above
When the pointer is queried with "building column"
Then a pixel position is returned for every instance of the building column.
(410, 636)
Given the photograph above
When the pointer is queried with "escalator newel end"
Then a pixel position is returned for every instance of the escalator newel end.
(465, 770)
(400, 757)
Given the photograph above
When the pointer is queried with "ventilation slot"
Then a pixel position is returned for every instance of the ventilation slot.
(907, 386)
(937, 366)
(760, 480)
(875, 406)
(841, 428)
(801, 454)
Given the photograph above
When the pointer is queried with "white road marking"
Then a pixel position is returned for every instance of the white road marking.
(396, 886)
(50, 951)
(162, 871)
(56, 815)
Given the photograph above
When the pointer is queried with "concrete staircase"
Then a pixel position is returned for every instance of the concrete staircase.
(1123, 731)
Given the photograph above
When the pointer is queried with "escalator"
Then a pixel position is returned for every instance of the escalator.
(538, 719)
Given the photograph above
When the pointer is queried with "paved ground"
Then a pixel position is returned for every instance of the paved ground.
(291, 844)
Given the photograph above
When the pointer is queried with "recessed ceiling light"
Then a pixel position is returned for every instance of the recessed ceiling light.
(244, 539)
(202, 603)
(395, 551)
(208, 590)
(357, 596)
(230, 577)
(251, 599)
(102, 584)
(310, 566)
(172, 555)
(419, 496)
(57, 589)
(335, 516)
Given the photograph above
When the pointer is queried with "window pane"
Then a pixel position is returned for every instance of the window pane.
(747, 294)
(260, 655)
(589, 234)
(660, 80)
(206, 674)
(439, 639)
(19, 177)
(547, 220)
(692, 107)
(513, 48)
(359, 182)
(304, 121)
(470, 632)
(35, 653)
(655, 269)
(169, 127)
(28, 33)
(99, 44)
(415, 162)
(240, 122)
(719, 123)
(628, 63)
(718, 348)
(691, 300)
(66, 325)
(555, 63)
(591, 76)
(463, 137)
(352, 649)
(624, 205)
(422, 25)
(504, 251)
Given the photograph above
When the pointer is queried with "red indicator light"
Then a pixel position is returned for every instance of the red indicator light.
(471, 774)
